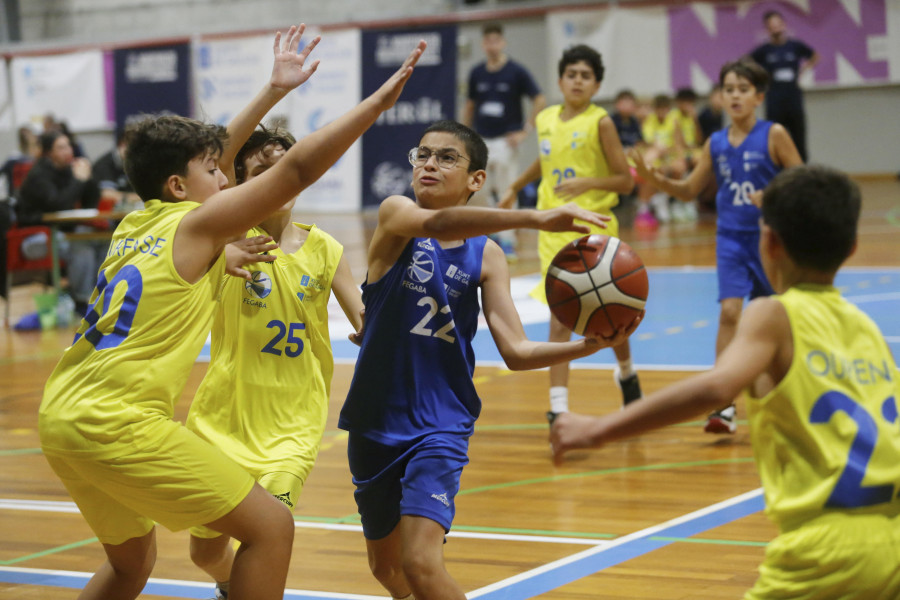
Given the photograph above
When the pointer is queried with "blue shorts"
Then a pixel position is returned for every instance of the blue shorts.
(420, 480)
(738, 267)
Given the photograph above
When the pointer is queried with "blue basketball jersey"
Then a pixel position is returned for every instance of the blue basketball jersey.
(413, 376)
(740, 171)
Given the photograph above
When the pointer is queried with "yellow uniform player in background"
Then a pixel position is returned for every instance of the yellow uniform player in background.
(580, 160)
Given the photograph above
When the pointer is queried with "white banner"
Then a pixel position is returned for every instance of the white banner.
(228, 74)
(6, 108)
(71, 87)
(335, 88)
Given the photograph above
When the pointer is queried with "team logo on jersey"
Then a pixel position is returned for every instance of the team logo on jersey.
(260, 284)
(545, 147)
(426, 244)
(286, 498)
(442, 498)
(421, 267)
(457, 274)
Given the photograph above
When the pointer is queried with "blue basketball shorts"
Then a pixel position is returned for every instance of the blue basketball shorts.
(420, 480)
(738, 266)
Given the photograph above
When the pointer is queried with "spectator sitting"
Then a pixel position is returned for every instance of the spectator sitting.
(109, 173)
(712, 117)
(58, 181)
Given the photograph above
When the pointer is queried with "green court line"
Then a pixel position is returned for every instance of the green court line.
(50, 551)
(20, 451)
(545, 532)
(660, 467)
(709, 541)
(893, 216)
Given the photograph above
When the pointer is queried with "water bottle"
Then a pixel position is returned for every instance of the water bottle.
(65, 308)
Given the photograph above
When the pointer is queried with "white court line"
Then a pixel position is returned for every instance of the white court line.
(71, 508)
(614, 544)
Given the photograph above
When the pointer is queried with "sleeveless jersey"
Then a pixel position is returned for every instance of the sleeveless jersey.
(688, 128)
(413, 376)
(660, 132)
(740, 171)
(264, 399)
(572, 149)
(827, 438)
(137, 344)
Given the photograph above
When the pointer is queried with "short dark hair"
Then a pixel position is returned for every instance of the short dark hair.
(48, 138)
(771, 13)
(492, 28)
(626, 93)
(162, 146)
(661, 101)
(814, 210)
(685, 95)
(261, 139)
(585, 53)
(475, 146)
(749, 70)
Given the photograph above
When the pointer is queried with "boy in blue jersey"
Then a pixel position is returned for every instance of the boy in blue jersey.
(822, 395)
(743, 158)
(106, 418)
(412, 404)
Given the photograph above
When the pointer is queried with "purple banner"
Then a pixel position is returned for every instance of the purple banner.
(828, 27)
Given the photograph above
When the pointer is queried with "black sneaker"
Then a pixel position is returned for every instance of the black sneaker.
(551, 416)
(630, 386)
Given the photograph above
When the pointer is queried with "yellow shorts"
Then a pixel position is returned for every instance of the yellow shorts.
(551, 242)
(284, 486)
(179, 482)
(835, 556)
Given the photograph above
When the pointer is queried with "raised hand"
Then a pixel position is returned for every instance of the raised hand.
(246, 251)
(563, 218)
(390, 90)
(287, 70)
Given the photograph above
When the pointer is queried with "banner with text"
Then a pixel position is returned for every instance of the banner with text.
(71, 87)
(858, 41)
(429, 95)
(153, 79)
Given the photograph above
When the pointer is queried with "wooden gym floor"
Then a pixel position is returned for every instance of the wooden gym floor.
(670, 515)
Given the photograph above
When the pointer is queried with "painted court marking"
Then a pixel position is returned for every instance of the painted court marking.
(519, 587)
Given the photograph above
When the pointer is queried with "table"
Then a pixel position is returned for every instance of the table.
(78, 216)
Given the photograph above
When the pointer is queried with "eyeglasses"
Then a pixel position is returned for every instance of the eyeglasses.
(446, 159)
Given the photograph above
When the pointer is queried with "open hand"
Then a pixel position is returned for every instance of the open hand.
(247, 251)
(570, 188)
(287, 70)
(563, 218)
(646, 173)
(619, 337)
(390, 90)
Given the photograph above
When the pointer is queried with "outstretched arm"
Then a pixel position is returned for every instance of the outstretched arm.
(684, 189)
(204, 231)
(517, 350)
(763, 332)
(287, 74)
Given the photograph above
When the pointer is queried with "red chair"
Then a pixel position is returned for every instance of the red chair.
(16, 262)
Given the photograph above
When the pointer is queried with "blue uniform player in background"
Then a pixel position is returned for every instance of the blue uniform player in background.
(743, 158)
(412, 404)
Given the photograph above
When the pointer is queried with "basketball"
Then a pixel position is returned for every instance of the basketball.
(596, 286)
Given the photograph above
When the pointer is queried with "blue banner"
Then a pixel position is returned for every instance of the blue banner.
(152, 79)
(430, 95)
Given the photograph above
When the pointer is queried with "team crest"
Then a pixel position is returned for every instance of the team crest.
(260, 285)
(421, 267)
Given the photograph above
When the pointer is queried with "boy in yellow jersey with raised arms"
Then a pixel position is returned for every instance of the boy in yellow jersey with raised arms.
(822, 393)
(264, 400)
(581, 160)
(106, 422)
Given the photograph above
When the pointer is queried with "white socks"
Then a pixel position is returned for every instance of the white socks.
(626, 369)
(559, 399)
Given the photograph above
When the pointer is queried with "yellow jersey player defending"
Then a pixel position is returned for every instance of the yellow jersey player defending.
(581, 160)
(264, 399)
(106, 422)
(822, 393)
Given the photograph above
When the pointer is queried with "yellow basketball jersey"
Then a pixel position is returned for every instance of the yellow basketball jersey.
(827, 438)
(135, 348)
(570, 149)
(659, 132)
(687, 126)
(264, 399)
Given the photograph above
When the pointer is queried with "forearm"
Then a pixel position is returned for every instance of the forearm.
(680, 188)
(620, 184)
(242, 125)
(468, 221)
(526, 354)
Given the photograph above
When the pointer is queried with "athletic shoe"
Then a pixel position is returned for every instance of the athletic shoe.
(646, 221)
(722, 421)
(660, 204)
(630, 386)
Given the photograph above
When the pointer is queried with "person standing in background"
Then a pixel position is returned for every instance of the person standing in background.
(785, 59)
(494, 110)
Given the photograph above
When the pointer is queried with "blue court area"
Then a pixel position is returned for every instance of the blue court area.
(679, 330)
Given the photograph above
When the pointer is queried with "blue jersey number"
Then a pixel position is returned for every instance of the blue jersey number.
(294, 345)
(849, 492)
(134, 287)
(560, 174)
